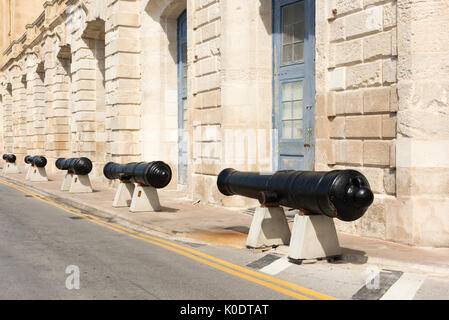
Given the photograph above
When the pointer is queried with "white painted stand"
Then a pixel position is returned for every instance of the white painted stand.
(269, 227)
(10, 168)
(80, 183)
(67, 182)
(124, 194)
(27, 177)
(313, 237)
(38, 174)
(144, 198)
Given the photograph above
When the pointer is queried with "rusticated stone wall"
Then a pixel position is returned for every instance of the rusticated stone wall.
(357, 99)
(98, 78)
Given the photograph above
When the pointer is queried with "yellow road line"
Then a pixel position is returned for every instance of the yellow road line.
(234, 266)
(228, 270)
(225, 266)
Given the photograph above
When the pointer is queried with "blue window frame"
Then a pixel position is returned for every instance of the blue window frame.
(182, 99)
(293, 84)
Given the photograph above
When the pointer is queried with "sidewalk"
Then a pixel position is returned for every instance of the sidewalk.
(226, 227)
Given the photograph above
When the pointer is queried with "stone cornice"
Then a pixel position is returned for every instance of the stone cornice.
(53, 14)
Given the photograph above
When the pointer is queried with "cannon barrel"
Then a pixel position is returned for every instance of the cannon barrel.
(341, 194)
(11, 158)
(80, 166)
(38, 161)
(156, 173)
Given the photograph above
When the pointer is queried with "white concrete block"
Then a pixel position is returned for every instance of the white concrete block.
(422, 153)
(66, 182)
(80, 183)
(10, 168)
(30, 168)
(144, 198)
(124, 194)
(269, 227)
(338, 79)
(313, 237)
(38, 174)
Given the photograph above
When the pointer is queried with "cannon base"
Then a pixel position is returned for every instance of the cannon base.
(38, 174)
(65, 186)
(124, 194)
(144, 198)
(269, 228)
(10, 168)
(313, 237)
(80, 184)
(30, 168)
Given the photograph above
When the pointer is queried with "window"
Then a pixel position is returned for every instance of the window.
(292, 110)
(293, 33)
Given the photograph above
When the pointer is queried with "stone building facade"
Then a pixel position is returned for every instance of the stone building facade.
(256, 85)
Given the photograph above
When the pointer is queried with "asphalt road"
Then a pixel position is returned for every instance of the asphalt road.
(42, 248)
(38, 242)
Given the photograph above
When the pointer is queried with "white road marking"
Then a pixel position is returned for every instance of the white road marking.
(276, 266)
(405, 288)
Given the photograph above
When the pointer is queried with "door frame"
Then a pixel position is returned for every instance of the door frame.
(309, 75)
(182, 93)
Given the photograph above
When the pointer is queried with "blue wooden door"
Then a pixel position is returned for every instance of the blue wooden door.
(294, 84)
(182, 99)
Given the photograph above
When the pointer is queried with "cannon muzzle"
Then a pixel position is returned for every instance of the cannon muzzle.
(156, 174)
(341, 194)
(38, 161)
(81, 166)
(11, 158)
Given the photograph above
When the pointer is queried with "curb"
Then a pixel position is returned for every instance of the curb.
(440, 271)
(93, 210)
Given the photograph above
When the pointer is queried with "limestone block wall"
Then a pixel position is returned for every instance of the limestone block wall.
(28, 103)
(421, 216)
(2, 111)
(23, 114)
(159, 80)
(229, 97)
(245, 102)
(8, 135)
(88, 100)
(83, 97)
(122, 81)
(36, 97)
(15, 15)
(1, 115)
(86, 87)
(99, 79)
(357, 100)
(57, 114)
(18, 112)
(206, 105)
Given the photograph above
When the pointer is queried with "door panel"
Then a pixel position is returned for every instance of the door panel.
(182, 100)
(293, 84)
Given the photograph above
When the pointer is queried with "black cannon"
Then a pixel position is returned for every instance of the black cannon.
(37, 161)
(11, 158)
(81, 166)
(342, 194)
(156, 173)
